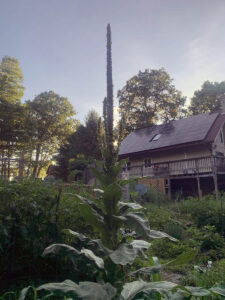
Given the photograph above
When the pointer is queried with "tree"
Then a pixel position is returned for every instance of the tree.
(208, 98)
(11, 80)
(84, 141)
(50, 123)
(150, 97)
(11, 110)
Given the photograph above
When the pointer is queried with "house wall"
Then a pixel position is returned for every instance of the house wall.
(173, 155)
(217, 145)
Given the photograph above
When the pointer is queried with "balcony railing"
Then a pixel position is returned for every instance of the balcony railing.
(196, 166)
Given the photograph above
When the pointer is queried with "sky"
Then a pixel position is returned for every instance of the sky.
(61, 44)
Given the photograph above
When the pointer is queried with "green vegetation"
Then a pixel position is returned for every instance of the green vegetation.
(149, 97)
(77, 242)
(208, 98)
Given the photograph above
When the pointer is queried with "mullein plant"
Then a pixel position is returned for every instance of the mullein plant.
(122, 228)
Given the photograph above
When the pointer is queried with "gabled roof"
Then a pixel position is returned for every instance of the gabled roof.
(193, 130)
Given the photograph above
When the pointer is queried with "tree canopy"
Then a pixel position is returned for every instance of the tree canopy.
(50, 122)
(11, 110)
(83, 145)
(208, 98)
(11, 80)
(150, 97)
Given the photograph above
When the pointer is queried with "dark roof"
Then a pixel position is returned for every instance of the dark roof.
(192, 130)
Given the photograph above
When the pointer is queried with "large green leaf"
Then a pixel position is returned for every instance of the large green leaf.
(138, 222)
(192, 291)
(91, 256)
(132, 289)
(111, 197)
(83, 241)
(140, 246)
(218, 289)
(25, 292)
(104, 179)
(85, 290)
(154, 234)
(124, 254)
(148, 270)
(118, 167)
(125, 206)
(91, 216)
(61, 249)
(184, 258)
(74, 254)
(82, 200)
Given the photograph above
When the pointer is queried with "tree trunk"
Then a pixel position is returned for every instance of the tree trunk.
(21, 164)
(38, 150)
(38, 171)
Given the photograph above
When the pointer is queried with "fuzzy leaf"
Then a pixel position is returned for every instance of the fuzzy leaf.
(124, 206)
(140, 245)
(85, 290)
(91, 216)
(73, 254)
(91, 256)
(184, 258)
(123, 255)
(138, 222)
(95, 245)
(192, 291)
(25, 292)
(126, 253)
(218, 289)
(148, 270)
(154, 234)
(111, 197)
(131, 289)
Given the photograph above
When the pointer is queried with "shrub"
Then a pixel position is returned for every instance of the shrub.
(206, 211)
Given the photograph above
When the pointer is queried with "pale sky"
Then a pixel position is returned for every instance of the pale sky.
(61, 44)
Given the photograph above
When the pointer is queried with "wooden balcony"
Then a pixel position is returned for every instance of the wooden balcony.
(202, 166)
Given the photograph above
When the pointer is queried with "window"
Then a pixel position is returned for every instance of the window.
(147, 163)
(156, 137)
(128, 166)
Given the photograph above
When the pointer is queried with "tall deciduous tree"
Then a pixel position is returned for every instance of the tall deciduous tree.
(208, 98)
(149, 97)
(11, 109)
(83, 142)
(51, 122)
(11, 80)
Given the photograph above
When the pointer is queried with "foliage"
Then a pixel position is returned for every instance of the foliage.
(32, 215)
(11, 80)
(54, 113)
(149, 97)
(206, 276)
(206, 211)
(208, 98)
(11, 110)
(84, 141)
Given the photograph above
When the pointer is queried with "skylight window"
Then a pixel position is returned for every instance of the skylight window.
(156, 137)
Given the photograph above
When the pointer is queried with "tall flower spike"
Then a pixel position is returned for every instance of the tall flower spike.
(109, 100)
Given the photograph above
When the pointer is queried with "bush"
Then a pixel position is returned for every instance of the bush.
(154, 197)
(32, 217)
(206, 276)
(206, 211)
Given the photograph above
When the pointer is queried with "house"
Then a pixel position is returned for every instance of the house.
(186, 155)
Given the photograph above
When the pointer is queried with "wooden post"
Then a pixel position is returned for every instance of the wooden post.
(169, 188)
(199, 187)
